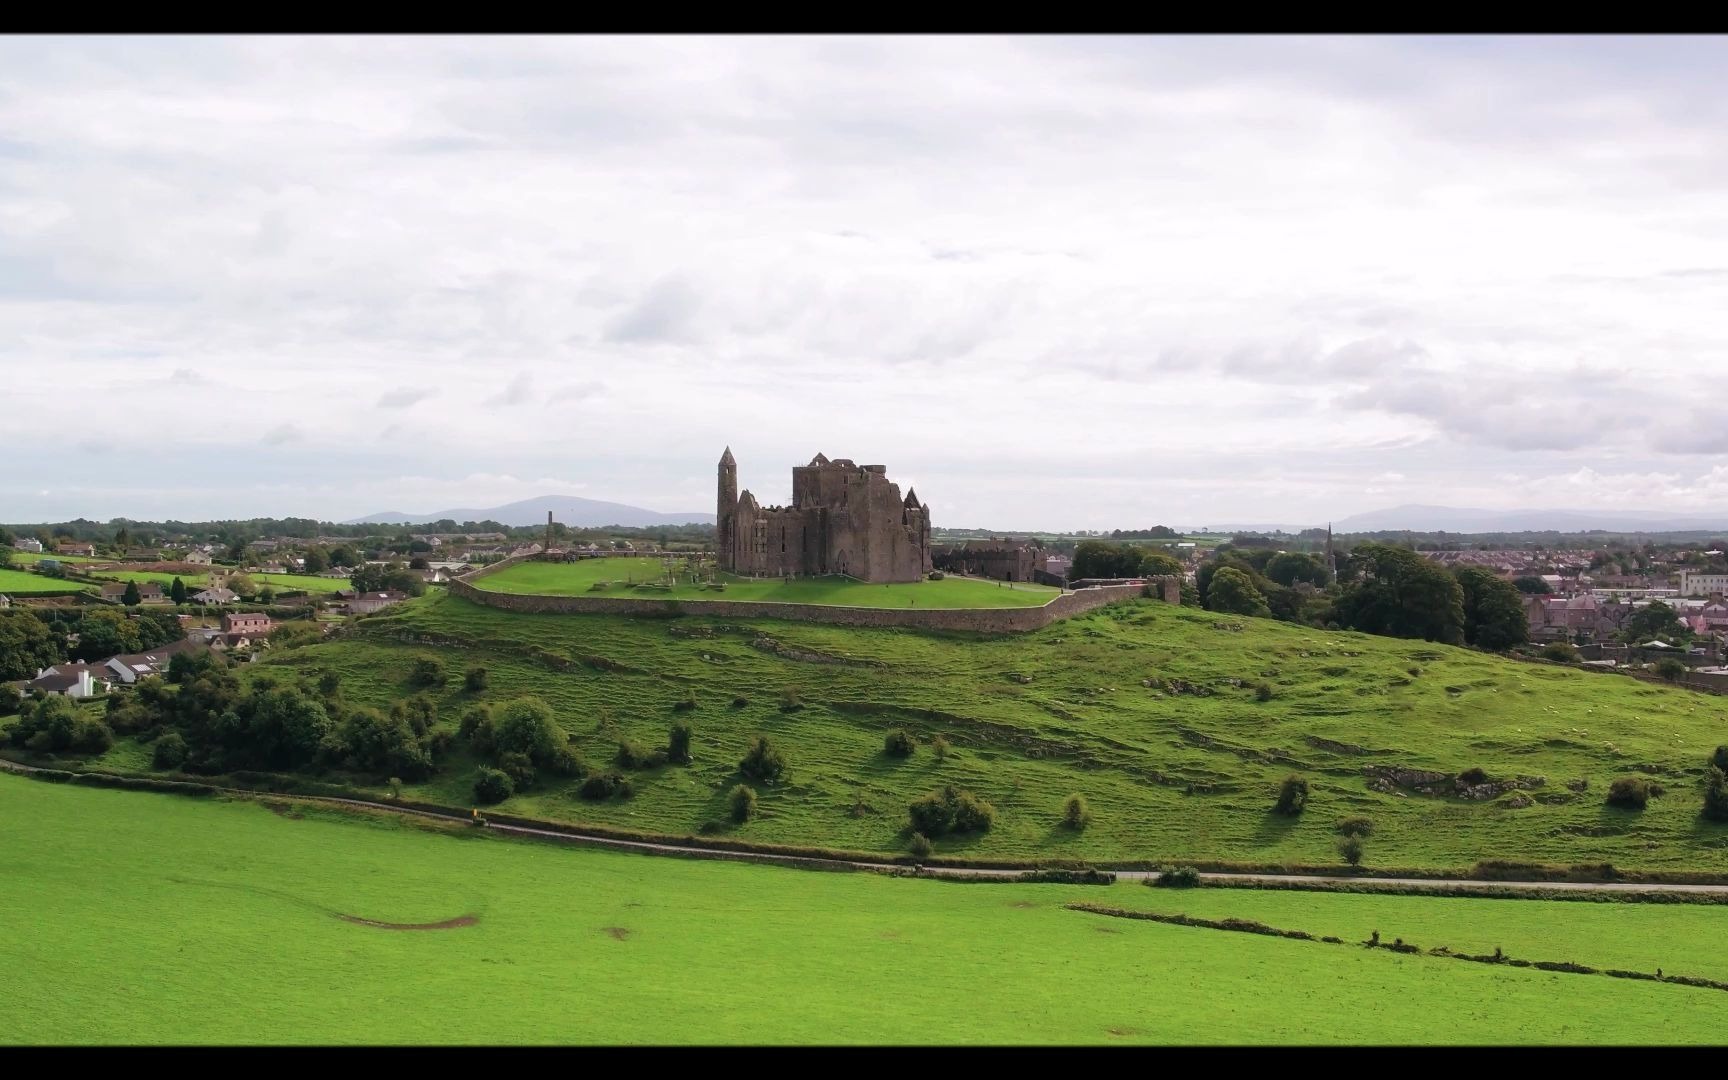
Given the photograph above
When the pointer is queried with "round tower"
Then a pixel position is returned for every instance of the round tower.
(725, 515)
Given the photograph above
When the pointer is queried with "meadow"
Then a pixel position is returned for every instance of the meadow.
(29, 557)
(162, 919)
(619, 575)
(196, 581)
(21, 581)
(1186, 768)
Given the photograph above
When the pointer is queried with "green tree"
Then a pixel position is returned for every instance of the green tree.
(316, 559)
(1233, 591)
(1398, 593)
(242, 584)
(266, 593)
(763, 761)
(343, 555)
(1494, 616)
(1531, 585)
(1290, 568)
(1654, 621)
(27, 645)
(131, 597)
(177, 591)
(526, 726)
(742, 800)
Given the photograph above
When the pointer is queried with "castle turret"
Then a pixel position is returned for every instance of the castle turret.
(725, 514)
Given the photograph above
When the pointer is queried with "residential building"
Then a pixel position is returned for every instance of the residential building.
(366, 603)
(148, 592)
(72, 548)
(1696, 583)
(5, 601)
(71, 680)
(130, 668)
(251, 622)
(197, 558)
(215, 595)
(27, 543)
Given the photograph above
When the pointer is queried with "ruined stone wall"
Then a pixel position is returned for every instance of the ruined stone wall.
(987, 620)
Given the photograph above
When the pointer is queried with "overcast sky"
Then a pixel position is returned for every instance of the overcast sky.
(1052, 282)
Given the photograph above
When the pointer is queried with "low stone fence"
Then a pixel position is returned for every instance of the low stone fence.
(988, 620)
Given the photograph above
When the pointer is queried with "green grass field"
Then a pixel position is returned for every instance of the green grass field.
(22, 581)
(161, 919)
(579, 579)
(197, 581)
(25, 558)
(1168, 777)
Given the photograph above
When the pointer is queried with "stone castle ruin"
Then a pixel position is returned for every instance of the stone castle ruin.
(844, 519)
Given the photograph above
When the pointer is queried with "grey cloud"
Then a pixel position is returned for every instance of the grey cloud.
(283, 434)
(578, 391)
(521, 388)
(404, 396)
(663, 314)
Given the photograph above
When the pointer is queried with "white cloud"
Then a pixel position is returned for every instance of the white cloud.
(1058, 281)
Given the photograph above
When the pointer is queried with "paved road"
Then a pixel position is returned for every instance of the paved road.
(1456, 884)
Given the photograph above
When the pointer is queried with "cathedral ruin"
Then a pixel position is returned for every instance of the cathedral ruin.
(844, 519)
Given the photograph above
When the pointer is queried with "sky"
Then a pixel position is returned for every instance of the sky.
(1053, 282)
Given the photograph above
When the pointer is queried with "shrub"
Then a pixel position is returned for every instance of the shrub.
(920, 845)
(939, 748)
(492, 786)
(1561, 652)
(763, 762)
(678, 743)
(427, 671)
(438, 743)
(742, 800)
(518, 766)
(899, 743)
(950, 810)
(936, 575)
(633, 755)
(170, 752)
(740, 702)
(1263, 692)
(1076, 814)
(1292, 796)
(10, 700)
(791, 700)
(1670, 668)
(1472, 776)
(1629, 793)
(1720, 758)
(566, 762)
(91, 736)
(1351, 849)
(685, 703)
(476, 726)
(603, 785)
(130, 718)
(525, 726)
(1354, 826)
(475, 680)
(1177, 877)
(1716, 795)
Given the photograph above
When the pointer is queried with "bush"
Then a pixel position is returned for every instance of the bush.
(566, 762)
(633, 755)
(91, 736)
(899, 743)
(920, 845)
(1263, 692)
(742, 800)
(939, 748)
(763, 762)
(492, 786)
(1354, 826)
(475, 680)
(678, 743)
(1351, 849)
(740, 702)
(1292, 796)
(170, 752)
(791, 700)
(1177, 877)
(936, 575)
(685, 703)
(476, 726)
(1720, 758)
(1472, 776)
(10, 700)
(1629, 793)
(1670, 669)
(438, 743)
(1076, 814)
(950, 810)
(519, 767)
(1561, 652)
(1716, 795)
(525, 726)
(599, 785)
(427, 671)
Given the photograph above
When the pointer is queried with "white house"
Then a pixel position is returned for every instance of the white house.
(27, 543)
(366, 603)
(1693, 583)
(72, 680)
(129, 669)
(215, 595)
(197, 558)
(5, 601)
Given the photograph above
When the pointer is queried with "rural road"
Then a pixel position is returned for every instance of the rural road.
(652, 847)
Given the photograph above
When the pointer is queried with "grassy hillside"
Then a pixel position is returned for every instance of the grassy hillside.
(147, 909)
(194, 582)
(20, 581)
(1035, 717)
(617, 576)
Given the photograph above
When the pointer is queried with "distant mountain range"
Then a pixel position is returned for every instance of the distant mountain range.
(566, 510)
(1460, 520)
